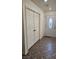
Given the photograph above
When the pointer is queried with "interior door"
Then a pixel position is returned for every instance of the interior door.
(32, 21)
(30, 28)
(36, 26)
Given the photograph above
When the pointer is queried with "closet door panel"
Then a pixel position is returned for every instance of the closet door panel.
(36, 21)
(30, 28)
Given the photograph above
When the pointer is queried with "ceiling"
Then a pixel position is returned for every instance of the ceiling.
(45, 6)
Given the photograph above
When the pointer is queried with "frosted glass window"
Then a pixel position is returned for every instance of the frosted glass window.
(50, 23)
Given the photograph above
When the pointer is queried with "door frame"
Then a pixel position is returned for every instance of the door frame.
(26, 22)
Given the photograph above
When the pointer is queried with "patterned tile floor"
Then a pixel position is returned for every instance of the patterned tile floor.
(43, 49)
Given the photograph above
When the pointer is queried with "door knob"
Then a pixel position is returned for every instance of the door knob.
(34, 30)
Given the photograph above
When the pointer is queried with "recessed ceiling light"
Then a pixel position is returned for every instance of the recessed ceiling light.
(45, 0)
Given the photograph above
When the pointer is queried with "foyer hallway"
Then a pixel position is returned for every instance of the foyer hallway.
(43, 49)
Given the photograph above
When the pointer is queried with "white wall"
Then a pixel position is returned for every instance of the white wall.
(31, 5)
(51, 32)
(24, 40)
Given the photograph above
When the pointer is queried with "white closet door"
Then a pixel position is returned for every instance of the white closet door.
(36, 20)
(30, 28)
